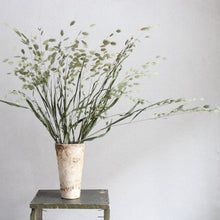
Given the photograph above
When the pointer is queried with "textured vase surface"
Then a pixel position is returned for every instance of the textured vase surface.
(70, 158)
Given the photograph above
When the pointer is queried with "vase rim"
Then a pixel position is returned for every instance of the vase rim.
(75, 144)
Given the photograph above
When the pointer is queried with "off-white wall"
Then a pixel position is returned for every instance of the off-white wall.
(157, 170)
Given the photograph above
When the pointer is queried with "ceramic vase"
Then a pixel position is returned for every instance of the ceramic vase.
(70, 158)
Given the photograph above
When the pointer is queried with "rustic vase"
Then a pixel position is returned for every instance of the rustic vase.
(70, 159)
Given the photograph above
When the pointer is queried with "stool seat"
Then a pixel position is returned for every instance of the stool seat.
(51, 199)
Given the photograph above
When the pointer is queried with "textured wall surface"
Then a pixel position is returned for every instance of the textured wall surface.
(157, 170)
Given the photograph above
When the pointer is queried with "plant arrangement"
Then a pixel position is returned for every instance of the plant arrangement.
(74, 92)
(72, 89)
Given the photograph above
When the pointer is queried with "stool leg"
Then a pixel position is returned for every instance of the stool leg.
(36, 214)
(107, 214)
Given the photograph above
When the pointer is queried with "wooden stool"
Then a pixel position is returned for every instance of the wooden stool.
(50, 199)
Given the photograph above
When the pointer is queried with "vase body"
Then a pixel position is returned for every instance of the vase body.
(70, 158)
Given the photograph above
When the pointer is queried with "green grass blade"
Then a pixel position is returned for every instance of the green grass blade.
(13, 104)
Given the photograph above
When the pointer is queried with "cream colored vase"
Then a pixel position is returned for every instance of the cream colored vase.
(70, 159)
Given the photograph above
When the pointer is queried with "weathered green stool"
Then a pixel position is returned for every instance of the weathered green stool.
(50, 199)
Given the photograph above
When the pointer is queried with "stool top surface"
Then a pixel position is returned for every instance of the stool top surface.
(89, 199)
